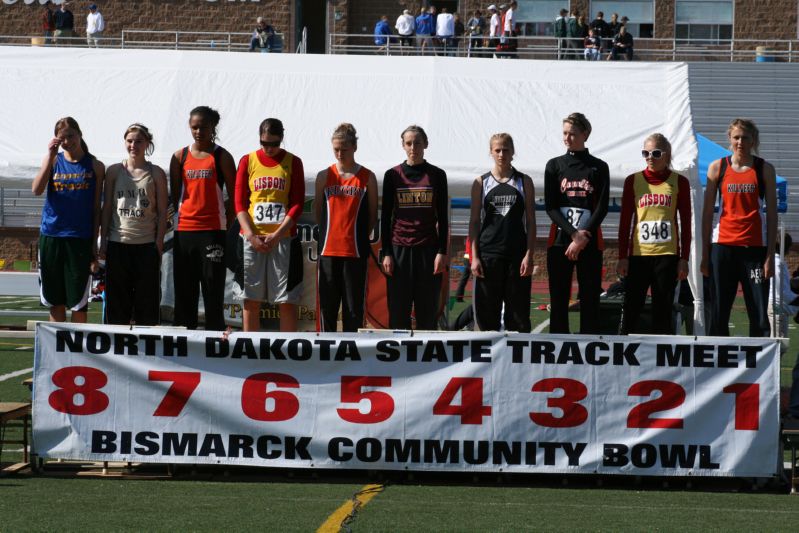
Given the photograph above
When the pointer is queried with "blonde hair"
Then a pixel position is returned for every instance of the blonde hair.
(749, 127)
(141, 128)
(345, 132)
(580, 122)
(501, 137)
(662, 143)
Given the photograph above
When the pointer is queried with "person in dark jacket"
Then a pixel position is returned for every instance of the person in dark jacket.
(622, 45)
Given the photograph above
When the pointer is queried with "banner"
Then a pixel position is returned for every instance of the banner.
(401, 401)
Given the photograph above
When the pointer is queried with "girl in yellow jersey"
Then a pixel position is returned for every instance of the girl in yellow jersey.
(270, 190)
(653, 249)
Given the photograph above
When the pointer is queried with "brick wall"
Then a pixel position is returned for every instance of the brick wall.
(765, 19)
(18, 244)
(187, 15)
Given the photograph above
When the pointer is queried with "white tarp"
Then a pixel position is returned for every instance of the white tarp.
(459, 101)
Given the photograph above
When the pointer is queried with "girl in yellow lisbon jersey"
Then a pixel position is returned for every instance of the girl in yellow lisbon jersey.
(270, 190)
(346, 211)
(198, 173)
(739, 248)
(73, 179)
(653, 248)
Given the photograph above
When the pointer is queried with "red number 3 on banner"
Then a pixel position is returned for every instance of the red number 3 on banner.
(79, 391)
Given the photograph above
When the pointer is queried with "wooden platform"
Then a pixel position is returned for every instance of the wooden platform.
(11, 411)
(790, 439)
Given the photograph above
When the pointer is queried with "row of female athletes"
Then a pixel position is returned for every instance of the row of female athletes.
(127, 204)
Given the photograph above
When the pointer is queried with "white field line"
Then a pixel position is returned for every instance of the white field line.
(11, 375)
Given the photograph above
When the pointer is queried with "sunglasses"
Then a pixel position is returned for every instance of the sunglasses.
(655, 154)
(270, 144)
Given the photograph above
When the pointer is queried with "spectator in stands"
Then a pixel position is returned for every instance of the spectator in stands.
(576, 189)
(200, 173)
(493, 28)
(601, 28)
(64, 22)
(783, 305)
(73, 180)
(460, 29)
(592, 45)
(445, 31)
(739, 247)
(575, 36)
(415, 232)
(476, 27)
(345, 207)
(405, 28)
(133, 229)
(95, 25)
(48, 23)
(263, 37)
(467, 271)
(622, 45)
(561, 31)
(382, 33)
(502, 232)
(424, 30)
(653, 254)
(508, 43)
(268, 216)
(613, 30)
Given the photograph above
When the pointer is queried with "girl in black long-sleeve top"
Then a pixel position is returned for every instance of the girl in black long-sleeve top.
(576, 197)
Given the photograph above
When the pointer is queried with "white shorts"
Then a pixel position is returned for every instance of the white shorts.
(274, 277)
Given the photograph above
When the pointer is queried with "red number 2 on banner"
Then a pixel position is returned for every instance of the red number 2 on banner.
(672, 395)
(79, 381)
(471, 410)
(176, 397)
(382, 404)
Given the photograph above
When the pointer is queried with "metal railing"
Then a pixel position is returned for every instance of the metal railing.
(554, 48)
(20, 208)
(151, 39)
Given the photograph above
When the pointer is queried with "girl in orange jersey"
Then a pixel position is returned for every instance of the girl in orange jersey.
(198, 173)
(651, 251)
(739, 248)
(270, 191)
(346, 211)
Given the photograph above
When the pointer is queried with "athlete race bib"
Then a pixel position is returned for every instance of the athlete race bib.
(268, 213)
(654, 231)
(576, 216)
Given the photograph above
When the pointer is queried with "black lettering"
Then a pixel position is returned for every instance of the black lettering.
(436, 451)
(103, 441)
(411, 349)
(275, 348)
(705, 461)
(297, 448)
(403, 451)
(469, 455)
(591, 356)
(539, 349)
(150, 344)
(507, 453)
(348, 350)
(457, 350)
(300, 349)
(517, 350)
(147, 443)
(550, 451)
(728, 356)
(481, 351)
(574, 452)
(212, 445)
(262, 447)
(677, 456)
(176, 346)
(126, 443)
(750, 353)
(97, 343)
(570, 353)
(216, 347)
(387, 351)
(125, 343)
(644, 455)
(368, 450)
(622, 354)
(324, 348)
(71, 341)
(334, 449)
(677, 355)
(240, 446)
(530, 453)
(434, 351)
(615, 455)
(181, 443)
(703, 355)
(244, 348)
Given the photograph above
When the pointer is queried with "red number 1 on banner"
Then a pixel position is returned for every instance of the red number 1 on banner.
(747, 405)
(183, 386)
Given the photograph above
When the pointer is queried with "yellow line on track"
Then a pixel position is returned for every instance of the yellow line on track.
(335, 521)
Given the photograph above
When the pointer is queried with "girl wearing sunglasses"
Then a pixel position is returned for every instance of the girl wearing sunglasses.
(270, 191)
(653, 249)
(739, 247)
(198, 173)
(134, 224)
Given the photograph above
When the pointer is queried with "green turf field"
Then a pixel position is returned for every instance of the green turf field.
(280, 500)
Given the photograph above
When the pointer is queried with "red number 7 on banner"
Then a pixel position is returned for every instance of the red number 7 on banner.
(183, 386)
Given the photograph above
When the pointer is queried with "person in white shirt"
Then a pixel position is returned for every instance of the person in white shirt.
(406, 25)
(445, 30)
(782, 310)
(94, 26)
(493, 27)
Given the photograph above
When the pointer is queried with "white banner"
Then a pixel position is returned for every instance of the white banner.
(477, 401)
